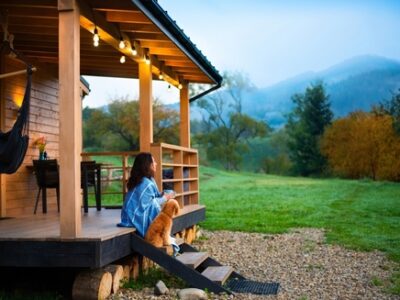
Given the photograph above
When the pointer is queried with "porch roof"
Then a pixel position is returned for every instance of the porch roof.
(140, 23)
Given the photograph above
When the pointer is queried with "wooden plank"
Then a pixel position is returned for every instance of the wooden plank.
(192, 259)
(184, 116)
(140, 28)
(175, 147)
(30, 3)
(166, 51)
(218, 274)
(158, 44)
(145, 36)
(127, 17)
(70, 121)
(3, 200)
(145, 106)
(157, 154)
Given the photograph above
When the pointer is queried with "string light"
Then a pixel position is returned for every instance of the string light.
(96, 37)
(122, 59)
(161, 76)
(134, 51)
(146, 59)
(121, 44)
(180, 86)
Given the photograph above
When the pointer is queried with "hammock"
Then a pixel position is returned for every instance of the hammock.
(14, 143)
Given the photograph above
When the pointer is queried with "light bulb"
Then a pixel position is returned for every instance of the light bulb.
(96, 37)
(180, 86)
(161, 76)
(122, 59)
(134, 51)
(121, 44)
(147, 59)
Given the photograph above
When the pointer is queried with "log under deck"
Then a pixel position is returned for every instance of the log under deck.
(34, 241)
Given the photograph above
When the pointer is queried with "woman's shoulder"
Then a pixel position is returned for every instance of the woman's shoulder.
(146, 182)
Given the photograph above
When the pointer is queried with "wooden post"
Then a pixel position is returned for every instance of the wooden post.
(2, 128)
(70, 119)
(146, 109)
(125, 174)
(185, 116)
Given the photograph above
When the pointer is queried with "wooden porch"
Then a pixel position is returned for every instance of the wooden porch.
(35, 241)
(57, 37)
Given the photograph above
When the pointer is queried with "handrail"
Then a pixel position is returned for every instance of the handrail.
(124, 167)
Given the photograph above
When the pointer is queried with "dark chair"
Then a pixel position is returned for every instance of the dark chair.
(90, 177)
(47, 177)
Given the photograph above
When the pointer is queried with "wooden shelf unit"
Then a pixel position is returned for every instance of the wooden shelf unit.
(180, 167)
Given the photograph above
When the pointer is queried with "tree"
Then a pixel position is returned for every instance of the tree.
(305, 126)
(363, 145)
(392, 108)
(277, 160)
(117, 127)
(225, 128)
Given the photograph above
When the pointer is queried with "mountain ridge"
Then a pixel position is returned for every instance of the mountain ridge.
(356, 83)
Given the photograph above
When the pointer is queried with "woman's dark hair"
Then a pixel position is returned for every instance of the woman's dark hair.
(141, 168)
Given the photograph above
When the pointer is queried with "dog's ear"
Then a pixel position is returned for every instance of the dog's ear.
(176, 208)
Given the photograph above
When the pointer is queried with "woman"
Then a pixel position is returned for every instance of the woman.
(143, 201)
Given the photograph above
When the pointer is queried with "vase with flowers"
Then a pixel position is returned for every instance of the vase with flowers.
(41, 144)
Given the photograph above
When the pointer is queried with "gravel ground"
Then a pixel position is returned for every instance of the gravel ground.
(300, 261)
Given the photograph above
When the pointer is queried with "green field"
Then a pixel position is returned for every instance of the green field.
(359, 214)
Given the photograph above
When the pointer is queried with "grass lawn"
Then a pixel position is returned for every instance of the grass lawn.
(359, 214)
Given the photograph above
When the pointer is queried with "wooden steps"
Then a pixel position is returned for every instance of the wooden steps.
(196, 268)
(218, 274)
(192, 259)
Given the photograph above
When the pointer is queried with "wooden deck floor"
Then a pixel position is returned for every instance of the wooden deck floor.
(96, 225)
(34, 240)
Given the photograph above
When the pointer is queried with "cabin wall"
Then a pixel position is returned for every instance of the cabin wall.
(21, 188)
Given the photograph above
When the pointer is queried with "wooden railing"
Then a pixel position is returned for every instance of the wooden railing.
(115, 167)
(178, 170)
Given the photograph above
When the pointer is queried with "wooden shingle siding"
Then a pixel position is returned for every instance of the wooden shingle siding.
(21, 188)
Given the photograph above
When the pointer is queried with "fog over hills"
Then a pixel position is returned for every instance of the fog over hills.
(354, 84)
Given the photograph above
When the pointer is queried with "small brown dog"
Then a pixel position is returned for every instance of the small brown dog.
(159, 231)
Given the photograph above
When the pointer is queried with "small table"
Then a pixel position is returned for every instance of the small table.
(87, 169)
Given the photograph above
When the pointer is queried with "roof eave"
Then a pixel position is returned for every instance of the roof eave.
(164, 22)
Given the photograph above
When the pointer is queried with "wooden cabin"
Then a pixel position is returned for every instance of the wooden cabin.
(56, 36)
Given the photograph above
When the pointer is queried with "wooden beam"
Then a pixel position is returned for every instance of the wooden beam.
(140, 36)
(70, 120)
(174, 63)
(30, 3)
(140, 27)
(110, 34)
(32, 12)
(158, 44)
(3, 200)
(127, 17)
(17, 29)
(166, 51)
(185, 116)
(116, 5)
(145, 107)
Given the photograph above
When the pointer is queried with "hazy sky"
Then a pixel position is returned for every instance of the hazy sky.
(272, 40)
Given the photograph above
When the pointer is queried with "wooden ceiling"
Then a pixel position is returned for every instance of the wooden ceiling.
(34, 24)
